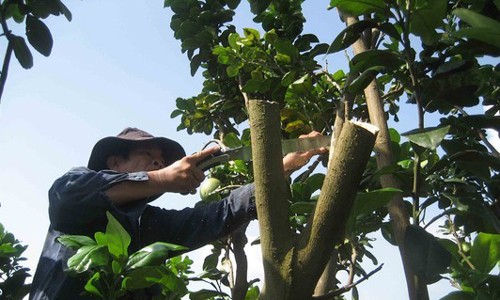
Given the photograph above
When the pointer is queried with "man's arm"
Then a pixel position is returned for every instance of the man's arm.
(183, 176)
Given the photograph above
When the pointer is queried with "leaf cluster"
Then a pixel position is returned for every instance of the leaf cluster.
(112, 272)
(31, 13)
(12, 274)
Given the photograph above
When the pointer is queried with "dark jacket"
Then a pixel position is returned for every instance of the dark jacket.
(78, 205)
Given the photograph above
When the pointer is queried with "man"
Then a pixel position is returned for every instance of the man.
(123, 175)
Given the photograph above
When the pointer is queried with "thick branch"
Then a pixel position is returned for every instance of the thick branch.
(344, 173)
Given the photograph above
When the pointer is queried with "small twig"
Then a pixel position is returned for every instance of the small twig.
(444, 213)
(245, 95)
(396, 91)
(8, 52)
(5, 68)
(459, 244)
(346, 288)
(352, 265)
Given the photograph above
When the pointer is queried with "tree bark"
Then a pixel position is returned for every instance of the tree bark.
(272, 198)
(239, 240)
(327, 281)
(397, 211)
(345, 170)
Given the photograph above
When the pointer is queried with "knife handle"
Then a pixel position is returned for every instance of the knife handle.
(213, 160)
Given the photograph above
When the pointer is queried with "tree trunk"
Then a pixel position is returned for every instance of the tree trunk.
(397, 211)
(272, 198)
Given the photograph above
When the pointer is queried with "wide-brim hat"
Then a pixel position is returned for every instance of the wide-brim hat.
(131, 137)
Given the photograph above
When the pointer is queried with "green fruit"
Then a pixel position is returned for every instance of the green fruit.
(208, 187)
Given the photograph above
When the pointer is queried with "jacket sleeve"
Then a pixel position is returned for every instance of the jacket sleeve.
(77, 199)
(198, 226)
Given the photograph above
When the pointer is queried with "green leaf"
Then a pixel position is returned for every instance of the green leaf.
(370, 201)
(251, 34)
(94, 285)
(231, 140)
(258, 6)
(232, 70)
(350, 35)
(373, 58)
(65, 11)
(173, 283)
(476, 19)
(195, 63)
(43, 9)
(117, 237)
(14, 12)
(366, 203)
(288, 78)
(427, 256)
(22, 52)
(425, 19)
(361, 7)
(390, 30)
(152, 255)
(285, 47)
(362, 81)
(255, 86)
(459, 295)
(232, 39)
(485, 251)
(175, 113)
(88, 257)
(206, 294)
(210, 262)
(252, 293)
(116, 267)
(302, 207)
(142, 278)
(429, 138)
(233, 4)
(7, 249)
(76, 241)
(484, 35)
(315, 182)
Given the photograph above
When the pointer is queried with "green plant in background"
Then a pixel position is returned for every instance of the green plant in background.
(112, 272)
(12, 275)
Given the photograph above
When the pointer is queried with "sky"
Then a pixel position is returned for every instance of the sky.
(115, 65)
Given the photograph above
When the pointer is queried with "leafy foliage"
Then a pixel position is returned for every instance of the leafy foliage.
(112, 272)
(12, 274)
(31, 12)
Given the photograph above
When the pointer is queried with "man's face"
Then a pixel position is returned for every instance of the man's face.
(141, 158)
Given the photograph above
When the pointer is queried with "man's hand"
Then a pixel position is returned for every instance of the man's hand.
(296, 160)
(184, 176)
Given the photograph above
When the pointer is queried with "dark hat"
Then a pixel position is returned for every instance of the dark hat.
(111, 145)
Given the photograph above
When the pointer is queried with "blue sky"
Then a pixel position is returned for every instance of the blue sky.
(117, 65)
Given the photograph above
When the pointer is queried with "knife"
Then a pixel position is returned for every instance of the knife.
(226, 154)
